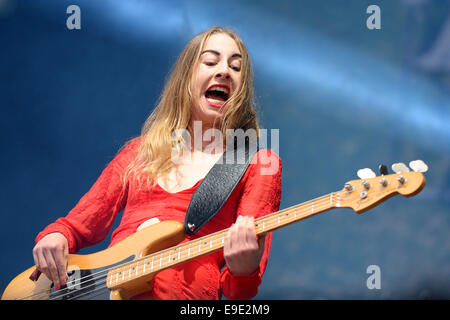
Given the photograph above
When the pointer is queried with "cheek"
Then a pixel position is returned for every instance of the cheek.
(237, 82)
(201, 77)
(196, 91)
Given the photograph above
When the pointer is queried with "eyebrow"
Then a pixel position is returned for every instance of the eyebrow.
(218, 53)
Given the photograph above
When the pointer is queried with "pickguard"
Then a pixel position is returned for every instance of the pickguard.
(86, 284)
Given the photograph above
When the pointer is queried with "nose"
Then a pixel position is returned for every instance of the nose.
(222, 71)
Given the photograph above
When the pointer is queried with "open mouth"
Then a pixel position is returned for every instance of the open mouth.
(217, 95)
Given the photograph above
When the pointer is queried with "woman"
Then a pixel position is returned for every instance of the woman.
(153, 176)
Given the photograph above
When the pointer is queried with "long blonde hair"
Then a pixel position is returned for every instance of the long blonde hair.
(173, 111)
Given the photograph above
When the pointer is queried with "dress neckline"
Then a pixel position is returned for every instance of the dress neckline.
(181, 191)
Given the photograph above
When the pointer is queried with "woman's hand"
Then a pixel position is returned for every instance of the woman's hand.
(50, 256)
(242, 249)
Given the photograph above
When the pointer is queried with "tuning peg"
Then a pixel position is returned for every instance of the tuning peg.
(400, 167)
(418, 166)
(383, 170)
(366, 173)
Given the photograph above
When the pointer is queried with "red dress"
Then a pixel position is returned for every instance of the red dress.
(258, 193)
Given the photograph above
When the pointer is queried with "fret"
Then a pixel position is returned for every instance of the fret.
(143, 270)
(168, 260)
(312, 206)
(129, 273)
(137, 269)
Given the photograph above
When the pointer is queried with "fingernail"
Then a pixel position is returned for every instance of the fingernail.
(63, 283)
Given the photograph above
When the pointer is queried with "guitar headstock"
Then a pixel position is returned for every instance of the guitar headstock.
(369, 191)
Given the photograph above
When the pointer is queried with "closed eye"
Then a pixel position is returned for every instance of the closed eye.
(209, 63)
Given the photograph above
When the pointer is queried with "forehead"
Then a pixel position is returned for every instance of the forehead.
(222, 43)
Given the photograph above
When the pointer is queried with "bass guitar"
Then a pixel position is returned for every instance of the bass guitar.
(126, 269)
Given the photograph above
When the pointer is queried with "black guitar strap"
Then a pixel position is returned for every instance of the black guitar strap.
(216, 187)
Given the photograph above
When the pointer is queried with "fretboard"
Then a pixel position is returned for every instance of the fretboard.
(181, 253)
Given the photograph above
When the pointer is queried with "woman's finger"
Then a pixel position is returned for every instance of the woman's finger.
(251, 233)
(51, 267)
(43, 264)
(59, 256)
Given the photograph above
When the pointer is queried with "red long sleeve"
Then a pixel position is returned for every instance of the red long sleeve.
(258, 193)
(89, 222)
(261, 196)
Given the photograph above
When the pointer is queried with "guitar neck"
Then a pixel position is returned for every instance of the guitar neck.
(184, 252)
(296, 213)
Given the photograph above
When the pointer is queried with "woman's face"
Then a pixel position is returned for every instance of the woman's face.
(216, 76)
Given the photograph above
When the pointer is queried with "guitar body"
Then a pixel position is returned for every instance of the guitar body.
(89, 268)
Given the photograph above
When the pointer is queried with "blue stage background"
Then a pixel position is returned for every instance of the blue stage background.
(343, 97)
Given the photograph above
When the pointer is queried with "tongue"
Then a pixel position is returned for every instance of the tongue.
(215, 96)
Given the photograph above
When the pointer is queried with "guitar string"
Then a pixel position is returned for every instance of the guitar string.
(198, 241)
(215, 248)
(95, 276)
(105, 276)
(161, 253)
(105, 281)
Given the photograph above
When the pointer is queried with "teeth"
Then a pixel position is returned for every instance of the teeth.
(216, 101)
(219, 89)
